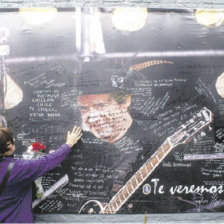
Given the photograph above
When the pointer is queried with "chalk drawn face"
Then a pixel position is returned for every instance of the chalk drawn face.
(104, 116)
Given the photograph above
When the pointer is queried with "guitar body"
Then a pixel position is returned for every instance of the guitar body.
(92, 207)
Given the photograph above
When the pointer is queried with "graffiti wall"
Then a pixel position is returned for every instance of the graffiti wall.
(147, 88)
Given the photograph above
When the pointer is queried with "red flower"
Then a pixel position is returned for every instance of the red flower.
(36, 146)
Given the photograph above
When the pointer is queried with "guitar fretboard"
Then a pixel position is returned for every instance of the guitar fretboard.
(137, 179)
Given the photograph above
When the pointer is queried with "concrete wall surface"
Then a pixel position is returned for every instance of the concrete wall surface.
(192, 4)
(140, 219)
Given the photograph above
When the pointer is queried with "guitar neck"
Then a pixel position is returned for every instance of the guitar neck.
(137, 179)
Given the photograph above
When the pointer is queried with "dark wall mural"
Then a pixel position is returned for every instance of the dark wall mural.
(147, 88)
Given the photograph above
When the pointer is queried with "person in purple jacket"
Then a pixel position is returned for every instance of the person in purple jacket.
(16, 197)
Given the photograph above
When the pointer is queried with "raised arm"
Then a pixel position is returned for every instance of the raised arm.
(25, 171)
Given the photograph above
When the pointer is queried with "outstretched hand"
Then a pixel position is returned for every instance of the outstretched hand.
(73, 136)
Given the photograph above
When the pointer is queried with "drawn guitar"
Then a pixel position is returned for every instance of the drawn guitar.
(182, 136)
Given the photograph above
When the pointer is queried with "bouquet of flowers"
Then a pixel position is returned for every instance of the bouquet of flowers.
(36, 150)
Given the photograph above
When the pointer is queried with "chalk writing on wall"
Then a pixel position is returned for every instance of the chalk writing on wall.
(132, 92)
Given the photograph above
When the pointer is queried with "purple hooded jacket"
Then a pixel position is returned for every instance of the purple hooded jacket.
(16, 199)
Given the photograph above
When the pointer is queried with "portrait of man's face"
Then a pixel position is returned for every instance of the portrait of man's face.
(104, 116)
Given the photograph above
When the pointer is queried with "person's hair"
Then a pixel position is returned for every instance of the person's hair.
(6, 136)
